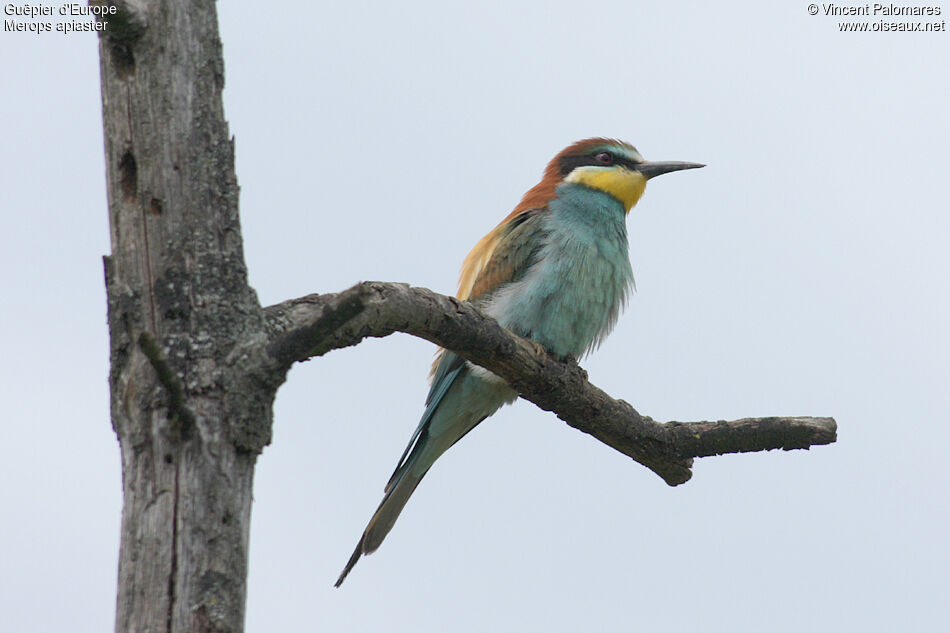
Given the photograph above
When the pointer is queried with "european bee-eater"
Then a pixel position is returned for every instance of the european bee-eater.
(556, 270)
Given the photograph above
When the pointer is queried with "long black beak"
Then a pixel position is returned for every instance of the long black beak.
(649, 169)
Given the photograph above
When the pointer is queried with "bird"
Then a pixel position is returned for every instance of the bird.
(557, 271)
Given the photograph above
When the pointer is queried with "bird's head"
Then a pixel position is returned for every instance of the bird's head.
(608, 165)
(613, 167)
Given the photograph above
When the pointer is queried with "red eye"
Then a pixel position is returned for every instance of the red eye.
(605, 158)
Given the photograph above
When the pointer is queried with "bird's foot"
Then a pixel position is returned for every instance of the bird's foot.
(539, 349)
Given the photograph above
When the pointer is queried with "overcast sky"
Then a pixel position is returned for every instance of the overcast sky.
(803, 272)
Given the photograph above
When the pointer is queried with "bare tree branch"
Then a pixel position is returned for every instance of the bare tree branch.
(315, 324)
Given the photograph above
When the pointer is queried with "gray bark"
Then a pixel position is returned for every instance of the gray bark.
(312, 325)
(181, 317)
(196, 361)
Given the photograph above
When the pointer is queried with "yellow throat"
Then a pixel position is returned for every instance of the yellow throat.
(623, 184)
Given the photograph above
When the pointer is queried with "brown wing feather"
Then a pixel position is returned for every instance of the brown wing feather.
(498, 258)
(512, 253)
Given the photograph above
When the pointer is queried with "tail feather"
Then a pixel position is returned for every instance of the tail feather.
(457, 402)
(357, 553)
(386, 514)
(450, 368)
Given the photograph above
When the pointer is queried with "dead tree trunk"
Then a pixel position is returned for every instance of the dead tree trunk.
(182, 322)
(196, 361)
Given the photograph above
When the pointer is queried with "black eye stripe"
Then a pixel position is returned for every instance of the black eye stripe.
(626, 162)
(570, 163)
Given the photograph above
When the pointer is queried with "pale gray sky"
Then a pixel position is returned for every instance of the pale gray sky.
(803, 272)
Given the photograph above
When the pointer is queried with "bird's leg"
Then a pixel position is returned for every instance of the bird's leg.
(539, 349)
(567, 358)
(573, 361)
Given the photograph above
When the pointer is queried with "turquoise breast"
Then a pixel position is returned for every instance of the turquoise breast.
(569, 299)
